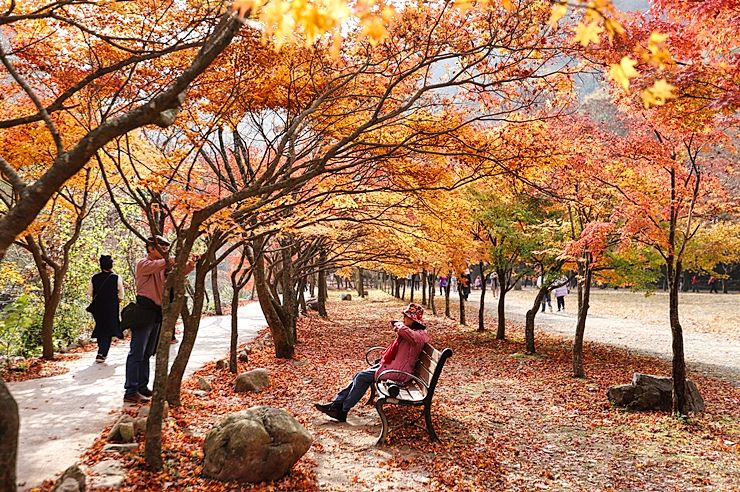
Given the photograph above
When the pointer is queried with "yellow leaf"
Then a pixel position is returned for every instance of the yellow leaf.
(658, 93)
(507, 5)
(622, 72)
(558, 11)
(586, 34)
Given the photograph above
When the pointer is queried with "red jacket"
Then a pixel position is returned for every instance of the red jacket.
(411, 342)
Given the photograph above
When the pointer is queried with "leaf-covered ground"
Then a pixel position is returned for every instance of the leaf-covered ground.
(507, 421)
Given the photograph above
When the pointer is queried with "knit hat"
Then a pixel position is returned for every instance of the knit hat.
(415, 312)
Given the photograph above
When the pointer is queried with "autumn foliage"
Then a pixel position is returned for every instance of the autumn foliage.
(507, 421)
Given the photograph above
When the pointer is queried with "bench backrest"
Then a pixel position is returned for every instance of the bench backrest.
(430, 364)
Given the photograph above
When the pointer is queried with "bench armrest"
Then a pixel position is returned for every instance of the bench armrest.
(369, 351)
(416, 379)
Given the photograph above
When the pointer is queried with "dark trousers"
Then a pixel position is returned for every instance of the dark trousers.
(356, 389)
(561, 303)
(104, 345)
(143, 345)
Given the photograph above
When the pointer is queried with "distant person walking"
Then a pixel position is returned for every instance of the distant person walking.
(106, 291)
(712, 284)
(561, 290)
(465, 281)
(695, 284)
(442, 285)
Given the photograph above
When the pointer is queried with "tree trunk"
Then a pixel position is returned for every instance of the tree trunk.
(432, 292)
(284, 348)
(447, 295)
(361, 283)
(503, 289)
(322, 285)
(191, 325)
(216, 293)
(679, 362)
(234, 342)
(531, 314)
(173, 299)
(462, 305)
(482, 307)
(423, 287)
(9, 425)
(584, 294)
(413, 285)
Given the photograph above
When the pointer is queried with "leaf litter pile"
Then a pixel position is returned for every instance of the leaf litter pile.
(506, 420)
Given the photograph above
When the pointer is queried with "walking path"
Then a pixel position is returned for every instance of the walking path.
(62, 415)
(714, 355)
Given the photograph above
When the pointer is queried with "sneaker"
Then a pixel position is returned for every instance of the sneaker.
(146, 392)
(332, 410)
(100, 358)
(550, 308)
(137, 399)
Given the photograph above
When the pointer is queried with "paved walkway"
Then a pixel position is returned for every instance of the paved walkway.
(713, 355)
(61, 416)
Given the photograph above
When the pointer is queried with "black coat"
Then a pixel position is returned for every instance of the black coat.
(106, 306)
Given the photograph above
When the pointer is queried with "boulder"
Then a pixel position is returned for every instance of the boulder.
(110, 482)
(109, 467)
(204, 385)
(243, 356)
(123, 435)
(222, 364)
(144, 411)
(648, 393)
(252, 381)
(254, 445)
(72, 480)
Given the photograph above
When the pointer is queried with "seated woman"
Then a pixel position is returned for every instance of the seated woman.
(401, 355)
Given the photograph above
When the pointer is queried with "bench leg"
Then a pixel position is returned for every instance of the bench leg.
(428, 419)
(384, 424)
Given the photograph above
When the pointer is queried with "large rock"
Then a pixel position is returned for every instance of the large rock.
(123, 430)
(653, 393)
(72, 480)
(254, 445)
(252, 381)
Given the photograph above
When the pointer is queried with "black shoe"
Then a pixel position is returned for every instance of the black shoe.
(333, 410)
(100, 358)
(137, 399)
(146, 392)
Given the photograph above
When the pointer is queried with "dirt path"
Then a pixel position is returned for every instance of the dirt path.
(61, 416)
(713, 354)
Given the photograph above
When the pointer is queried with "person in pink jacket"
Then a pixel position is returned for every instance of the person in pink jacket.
(401, 355)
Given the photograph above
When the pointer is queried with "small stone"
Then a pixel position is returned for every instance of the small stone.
(69, 484)
(120, 448)
(200, 393)
(127, 431)
(222, 364)
(204, 385)
(110, 482)
(109, 467)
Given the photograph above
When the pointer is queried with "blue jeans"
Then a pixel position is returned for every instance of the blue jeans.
(143, 345)
(355, 390)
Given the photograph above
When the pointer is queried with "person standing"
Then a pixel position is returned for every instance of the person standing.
(695, 284)
(712, 284)
(465, 283)
(106, 291)
(150, 278)
(561, 290)
(442, 285)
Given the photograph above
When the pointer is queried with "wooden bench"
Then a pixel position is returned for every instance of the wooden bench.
(416, 393)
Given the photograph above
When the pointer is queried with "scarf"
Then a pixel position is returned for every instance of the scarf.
(390, 353)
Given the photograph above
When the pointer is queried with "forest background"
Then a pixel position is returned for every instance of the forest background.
(281, 141)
